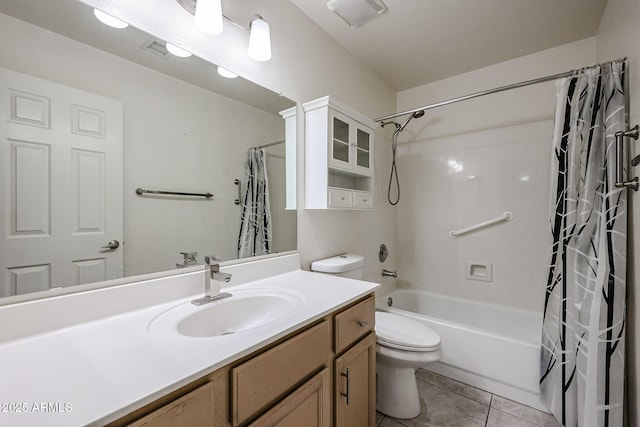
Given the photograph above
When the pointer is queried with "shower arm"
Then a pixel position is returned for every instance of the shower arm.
(399, 127)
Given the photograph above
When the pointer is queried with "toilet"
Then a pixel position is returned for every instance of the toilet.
(402, 346)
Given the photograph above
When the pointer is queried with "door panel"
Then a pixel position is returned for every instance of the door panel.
(60, 185)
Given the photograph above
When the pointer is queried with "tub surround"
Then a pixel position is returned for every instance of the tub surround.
(101, 362)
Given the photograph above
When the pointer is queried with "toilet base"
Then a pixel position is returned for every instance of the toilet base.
(397, 391)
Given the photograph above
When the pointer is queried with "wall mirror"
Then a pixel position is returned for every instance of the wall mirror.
(90, 114)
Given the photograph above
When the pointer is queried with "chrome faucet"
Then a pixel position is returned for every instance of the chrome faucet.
(387, 273)
(212, 272)
(189, 258)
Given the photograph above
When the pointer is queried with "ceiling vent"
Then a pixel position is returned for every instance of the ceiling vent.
(155, 47)
(356, 12)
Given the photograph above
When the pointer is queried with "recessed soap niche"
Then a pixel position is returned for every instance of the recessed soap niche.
(482, 271)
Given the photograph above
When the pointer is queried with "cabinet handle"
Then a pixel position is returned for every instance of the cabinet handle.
(362, 323)
(347, 376)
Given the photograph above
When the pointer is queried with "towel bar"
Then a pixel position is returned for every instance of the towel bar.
(141, 191)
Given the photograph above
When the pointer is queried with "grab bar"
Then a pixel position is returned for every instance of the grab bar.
(620, 182)
(507, 216)
(141, 191)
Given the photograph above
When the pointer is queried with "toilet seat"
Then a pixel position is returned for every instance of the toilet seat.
(403, 333)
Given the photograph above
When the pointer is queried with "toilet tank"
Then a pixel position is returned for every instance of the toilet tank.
(347, 265)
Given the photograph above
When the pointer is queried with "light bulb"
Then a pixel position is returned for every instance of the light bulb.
(177, 51)
(109, 20)
(226, 73)
(259, 39)
(209, 16)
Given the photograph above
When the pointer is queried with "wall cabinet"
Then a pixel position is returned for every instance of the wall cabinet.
(339, 156)
(320, 375)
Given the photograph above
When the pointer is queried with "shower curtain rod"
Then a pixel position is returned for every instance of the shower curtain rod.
(489, 92)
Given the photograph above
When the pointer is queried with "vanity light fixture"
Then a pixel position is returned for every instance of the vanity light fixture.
(259, 39)
(177, 51)
(226, 73)
(208, 16)
(109, 20)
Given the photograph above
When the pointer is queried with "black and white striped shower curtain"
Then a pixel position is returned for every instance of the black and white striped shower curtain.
(582, 357)
(255, 220)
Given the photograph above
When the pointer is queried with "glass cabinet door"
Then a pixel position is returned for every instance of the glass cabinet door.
(363, 149)
(340, 153)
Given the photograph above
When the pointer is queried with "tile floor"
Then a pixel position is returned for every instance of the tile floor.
(452, 403)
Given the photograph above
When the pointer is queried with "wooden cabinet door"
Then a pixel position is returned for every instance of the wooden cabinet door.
(309, 405)
(355, 385)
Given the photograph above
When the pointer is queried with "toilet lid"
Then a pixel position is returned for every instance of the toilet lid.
(403, 333)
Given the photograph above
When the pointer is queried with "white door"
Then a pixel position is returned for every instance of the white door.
(60, 185)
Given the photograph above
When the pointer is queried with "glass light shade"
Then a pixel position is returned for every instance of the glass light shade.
(177, 51)
(209, 16)
(226, 73)
(109, 20)
(260, 40)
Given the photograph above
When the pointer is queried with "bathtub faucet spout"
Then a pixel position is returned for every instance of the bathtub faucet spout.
(387, 273)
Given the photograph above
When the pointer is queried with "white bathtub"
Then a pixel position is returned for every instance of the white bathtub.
(492, 347)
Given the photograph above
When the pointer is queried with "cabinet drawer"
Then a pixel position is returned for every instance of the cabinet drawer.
(193, 409)
(353, 323)
(364, 201)
(340, 198)
(261, 381)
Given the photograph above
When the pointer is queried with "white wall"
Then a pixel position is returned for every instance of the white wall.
(283, 221)
(307, 64)
(618, 36)
(176, 137)
(470, 162)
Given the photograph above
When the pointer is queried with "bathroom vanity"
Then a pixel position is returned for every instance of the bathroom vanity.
(136, 358)
(302, 379)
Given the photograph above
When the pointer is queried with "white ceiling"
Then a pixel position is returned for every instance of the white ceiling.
(420, 41)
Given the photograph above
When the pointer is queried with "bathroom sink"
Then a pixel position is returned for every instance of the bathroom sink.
(245, 310)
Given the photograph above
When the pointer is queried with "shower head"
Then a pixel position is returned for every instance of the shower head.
(415, 115)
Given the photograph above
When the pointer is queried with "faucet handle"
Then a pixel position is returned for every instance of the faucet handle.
(212, 259)
(189, 256)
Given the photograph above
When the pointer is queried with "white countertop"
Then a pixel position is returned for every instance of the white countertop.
(97, 371)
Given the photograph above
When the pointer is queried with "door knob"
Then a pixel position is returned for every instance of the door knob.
(114, 244)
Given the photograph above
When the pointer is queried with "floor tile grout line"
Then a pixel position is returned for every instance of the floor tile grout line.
(486, 421)
(461, 395)
(518, 417)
